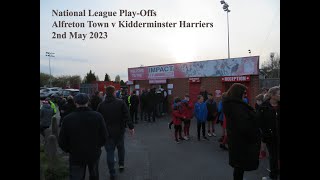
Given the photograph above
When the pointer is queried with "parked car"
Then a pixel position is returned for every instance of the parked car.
(67, 92)
(44, 93)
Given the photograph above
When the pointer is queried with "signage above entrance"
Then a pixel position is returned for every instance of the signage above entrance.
(129, 83)
(194, 80)
(235, 79)
(157, 81)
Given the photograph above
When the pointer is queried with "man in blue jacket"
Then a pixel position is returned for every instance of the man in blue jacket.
(201, 113)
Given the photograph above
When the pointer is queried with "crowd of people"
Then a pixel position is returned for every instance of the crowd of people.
(248, 133)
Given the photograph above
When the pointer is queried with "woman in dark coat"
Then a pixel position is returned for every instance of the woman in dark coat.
(268, 115)
(243, 132)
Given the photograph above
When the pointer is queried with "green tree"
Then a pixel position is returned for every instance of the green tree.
(107, 77)
(122, 83)
(272, 66)
(117, 79)
(89, 78)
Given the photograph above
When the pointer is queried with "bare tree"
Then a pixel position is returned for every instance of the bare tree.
(117, 79)
(272, 66)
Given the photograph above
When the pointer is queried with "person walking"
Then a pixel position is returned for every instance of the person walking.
(116, 115)
(134, 104)
(143, 105)
(46, 113)
(67, 108)
(95, 100)
(83, 133)
(151, 105)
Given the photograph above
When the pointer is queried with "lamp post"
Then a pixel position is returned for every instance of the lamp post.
(226, 8)
(50, 54)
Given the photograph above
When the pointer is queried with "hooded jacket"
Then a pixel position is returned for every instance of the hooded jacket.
(201, 112)
(177, 115)
(187, 109)
(243, 134)
(46, 113)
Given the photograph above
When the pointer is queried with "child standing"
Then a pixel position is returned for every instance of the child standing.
(222, 119)
(176, 119)
(212, 112)
(187, 111)
(201, 113)
(173, 106)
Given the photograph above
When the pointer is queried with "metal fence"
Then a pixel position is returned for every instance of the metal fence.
(269, 82)
(88, 88)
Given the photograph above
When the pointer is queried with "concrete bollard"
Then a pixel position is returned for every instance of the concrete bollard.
(51, 147)
(54, 126)
(47, 133)
(41, 172)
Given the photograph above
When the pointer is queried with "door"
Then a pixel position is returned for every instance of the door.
(194, 91)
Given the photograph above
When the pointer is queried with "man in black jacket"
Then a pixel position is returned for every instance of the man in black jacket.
(95, 101)
(151, 104)
(82, 134)
(134, 104)
(116, 115)
(143, 104)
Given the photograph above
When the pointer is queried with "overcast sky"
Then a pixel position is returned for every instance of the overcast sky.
(254, 25)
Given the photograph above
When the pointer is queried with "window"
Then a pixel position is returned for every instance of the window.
(66, 93)
(73, 93)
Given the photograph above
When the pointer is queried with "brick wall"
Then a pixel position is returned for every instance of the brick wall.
(211, 84)
(254, 89)
(181, 87)
(144, 84)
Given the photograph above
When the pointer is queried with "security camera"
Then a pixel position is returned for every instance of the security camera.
(222, 2)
